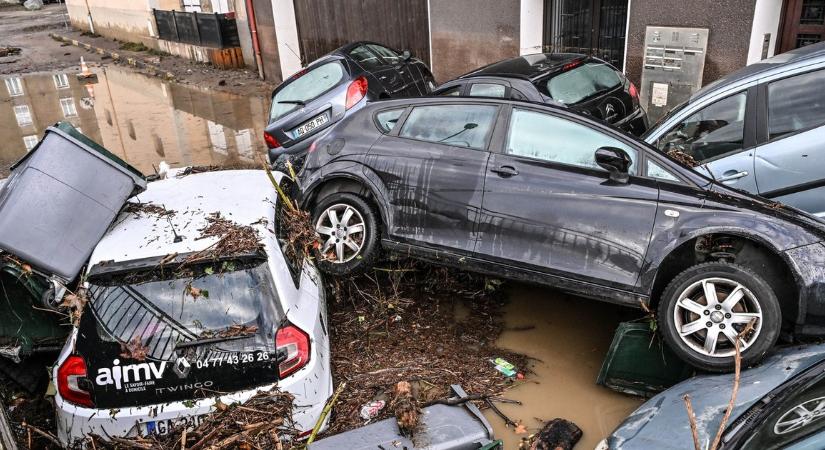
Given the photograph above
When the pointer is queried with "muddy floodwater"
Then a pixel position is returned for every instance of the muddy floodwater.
(568, 337)
(144, 120)
(147, 120)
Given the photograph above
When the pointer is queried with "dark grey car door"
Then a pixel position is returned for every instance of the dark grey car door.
(549, 208)
(433, 171)
(790, 164)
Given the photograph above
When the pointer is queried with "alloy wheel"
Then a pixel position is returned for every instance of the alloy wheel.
(711, 313)
(800, 415)
(343, 233)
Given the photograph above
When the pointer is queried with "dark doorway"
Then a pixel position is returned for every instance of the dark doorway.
(324, 25)
(592, 27)
(804, 24)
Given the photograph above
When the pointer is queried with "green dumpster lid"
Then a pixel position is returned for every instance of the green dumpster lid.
(66, 129)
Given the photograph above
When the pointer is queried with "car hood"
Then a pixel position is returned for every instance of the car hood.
(662, 423)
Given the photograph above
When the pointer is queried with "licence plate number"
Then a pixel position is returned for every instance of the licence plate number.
(311, 125)
(163, 427)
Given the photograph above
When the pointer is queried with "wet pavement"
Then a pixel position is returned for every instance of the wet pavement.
(143, 120)
(570, 337)
(146, 120)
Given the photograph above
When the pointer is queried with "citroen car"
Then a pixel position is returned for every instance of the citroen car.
(580, 82)
(175, 321)
(336, 85)
(543, 194)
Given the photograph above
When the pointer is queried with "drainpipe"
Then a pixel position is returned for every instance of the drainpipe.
(256, 45)
(89, 17)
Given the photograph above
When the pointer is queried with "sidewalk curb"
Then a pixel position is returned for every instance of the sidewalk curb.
(134, 62)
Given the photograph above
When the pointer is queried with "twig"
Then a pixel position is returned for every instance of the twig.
(325, 412)
(456, 400)
(735, 391)
(183, 439)
(205, 439)
(46, 435)
(507, 421)
(281, 193)
(692, 418)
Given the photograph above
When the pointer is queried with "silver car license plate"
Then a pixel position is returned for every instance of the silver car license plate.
(311, 125)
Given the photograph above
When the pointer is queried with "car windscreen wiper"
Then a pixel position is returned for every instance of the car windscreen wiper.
(293, 102)
(214, 340)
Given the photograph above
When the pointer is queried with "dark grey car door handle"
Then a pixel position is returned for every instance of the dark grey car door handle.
(504, 171)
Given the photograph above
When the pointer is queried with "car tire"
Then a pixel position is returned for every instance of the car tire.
(358, 212)
(688, 316)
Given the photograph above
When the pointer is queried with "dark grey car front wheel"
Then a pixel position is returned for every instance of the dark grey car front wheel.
(705, 309)
(349, 231)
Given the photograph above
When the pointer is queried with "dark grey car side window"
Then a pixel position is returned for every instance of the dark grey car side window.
(458, 125)
(362, 55)
(452, 92)
(487, 90)
(387, 120)
(714, 131)
(390, 56)
(796, 103)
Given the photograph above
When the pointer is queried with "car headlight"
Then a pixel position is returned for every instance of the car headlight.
(602, 445)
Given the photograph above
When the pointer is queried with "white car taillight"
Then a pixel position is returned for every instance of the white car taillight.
(70, 379)
(293, 343)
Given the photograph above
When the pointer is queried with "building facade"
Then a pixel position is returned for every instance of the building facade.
(455, 36)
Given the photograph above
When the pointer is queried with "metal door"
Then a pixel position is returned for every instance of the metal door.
(804, 24)
(593, 27)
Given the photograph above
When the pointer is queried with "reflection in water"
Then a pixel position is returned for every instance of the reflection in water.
(143, 120)
(569, 341)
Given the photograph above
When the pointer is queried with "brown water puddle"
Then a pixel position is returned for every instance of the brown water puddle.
(569, 341)
(143, 120)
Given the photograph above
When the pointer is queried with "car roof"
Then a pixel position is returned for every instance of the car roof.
(527, 66)
(800, 55)
(242, 196)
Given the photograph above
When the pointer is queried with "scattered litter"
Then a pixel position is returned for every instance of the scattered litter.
(134, 349)
(234, 239)
(148, 209)
(506, 369)
(405, 407)
(370, 410)
(683, 158)
(9, 51)
(33, 5)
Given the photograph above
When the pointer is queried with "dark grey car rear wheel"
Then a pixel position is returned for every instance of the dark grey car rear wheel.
(348, 227)
(705, 308)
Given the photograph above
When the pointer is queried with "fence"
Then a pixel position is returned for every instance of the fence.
(208, 30)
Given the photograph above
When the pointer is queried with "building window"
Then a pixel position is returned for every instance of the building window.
(23, 115)
(68, 107)
(14, 85)
(30, 141)
(243, 140)
(61, 80)
(192, 6)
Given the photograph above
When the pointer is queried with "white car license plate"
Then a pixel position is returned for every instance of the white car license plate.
(163, 427)
(311, 125)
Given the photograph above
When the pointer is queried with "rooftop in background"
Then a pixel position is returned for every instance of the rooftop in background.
(241, 196)
(527, 66)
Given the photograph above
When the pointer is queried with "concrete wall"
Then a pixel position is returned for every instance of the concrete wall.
(765, 20)
(729, 21)
(125, 20)
(467, 34)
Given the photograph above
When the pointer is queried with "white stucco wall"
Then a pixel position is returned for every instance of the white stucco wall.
(531, 27)
(286, 32)
(766, 17)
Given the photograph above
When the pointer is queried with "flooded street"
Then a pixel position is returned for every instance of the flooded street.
(569, 340)
(143, 120)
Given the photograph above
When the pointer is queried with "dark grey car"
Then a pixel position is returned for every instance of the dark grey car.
(335, 85)
(760, 129)
(780, 404)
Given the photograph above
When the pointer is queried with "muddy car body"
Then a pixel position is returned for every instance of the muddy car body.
(580, 82)
(155, 344)
(780, 404)
(335, 85)
(559, 202)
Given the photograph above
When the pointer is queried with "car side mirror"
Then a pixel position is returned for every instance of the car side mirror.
(406, 55)
(616, 161)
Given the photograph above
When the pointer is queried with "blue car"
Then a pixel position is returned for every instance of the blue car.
(759, 129)
(335, 85)
(781, 404)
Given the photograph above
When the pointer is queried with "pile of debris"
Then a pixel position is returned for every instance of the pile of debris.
(233, 239)
(402, 322)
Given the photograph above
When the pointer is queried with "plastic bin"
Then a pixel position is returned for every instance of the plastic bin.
(443, 427)
(61, 198)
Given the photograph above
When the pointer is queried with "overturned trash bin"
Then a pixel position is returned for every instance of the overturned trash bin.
(638, 363)
(443, 427)
(60, 199)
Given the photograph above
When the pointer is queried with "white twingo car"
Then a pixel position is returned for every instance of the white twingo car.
(172, 324)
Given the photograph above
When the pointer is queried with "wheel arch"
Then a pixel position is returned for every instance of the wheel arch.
(740, 247)
(368, 187)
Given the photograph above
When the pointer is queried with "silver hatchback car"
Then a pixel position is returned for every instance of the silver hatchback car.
(760, 129)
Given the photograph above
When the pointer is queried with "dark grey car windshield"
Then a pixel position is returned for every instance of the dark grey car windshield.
(305, 88)
(207, 302)
(583, 82)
